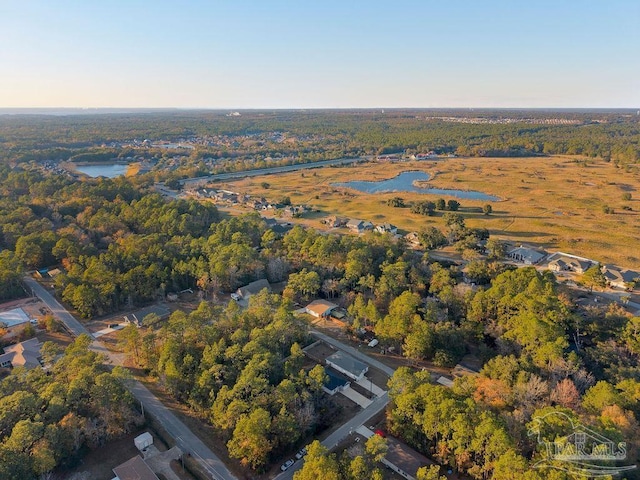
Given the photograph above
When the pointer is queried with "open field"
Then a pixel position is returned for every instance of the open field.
(552, 202)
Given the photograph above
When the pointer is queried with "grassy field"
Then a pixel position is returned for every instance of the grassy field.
(552, 202)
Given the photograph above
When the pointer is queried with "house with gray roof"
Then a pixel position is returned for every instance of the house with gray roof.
(347, 365)
(253, 288)
(526, 255)
(621, 278)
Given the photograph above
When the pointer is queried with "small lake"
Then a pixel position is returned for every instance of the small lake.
(109, 170)
(405, 183)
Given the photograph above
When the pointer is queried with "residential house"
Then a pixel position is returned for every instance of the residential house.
(387, 228)
(347, 365)
(621, 278)
(359, 226)
(403, 459)
(336, 222)
(412, 239)
(320, 308)
(355, 225)
(24, 354)
(426, 156)
(334, 383)
(388, 158)
(253, 288)
(134, 469)
(526, 255)
(563, 262)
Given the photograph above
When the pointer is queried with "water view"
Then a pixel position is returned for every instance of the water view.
(405, 183)
(110, 170)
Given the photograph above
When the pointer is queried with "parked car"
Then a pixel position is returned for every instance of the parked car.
(286, 465)
(301, 453)
(235, 296)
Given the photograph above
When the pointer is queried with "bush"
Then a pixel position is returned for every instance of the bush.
(443, 359)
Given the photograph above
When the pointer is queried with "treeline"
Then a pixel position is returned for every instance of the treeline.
(49, 419)
(612, 136)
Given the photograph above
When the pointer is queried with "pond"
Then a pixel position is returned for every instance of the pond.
(405, 182)
(109, 170)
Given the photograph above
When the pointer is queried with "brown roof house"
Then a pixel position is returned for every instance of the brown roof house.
(24, 354)
(320, 308)
(134, 469)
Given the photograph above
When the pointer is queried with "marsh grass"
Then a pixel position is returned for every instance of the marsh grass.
(552, 202)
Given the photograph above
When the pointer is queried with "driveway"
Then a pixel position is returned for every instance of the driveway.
(355, 397)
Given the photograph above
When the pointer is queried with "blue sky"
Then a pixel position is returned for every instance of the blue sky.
(319, 54)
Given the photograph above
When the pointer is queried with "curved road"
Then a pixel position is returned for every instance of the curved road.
(187, 441)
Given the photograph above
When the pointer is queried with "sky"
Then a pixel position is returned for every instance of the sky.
(319, 53)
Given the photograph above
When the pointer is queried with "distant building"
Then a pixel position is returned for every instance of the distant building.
(526, 255)
(337, 221)
(347, 365)
(563, 262)
(387, 228)
(621, 278)
(412, 239)
(426, 156)
(320, 308)
(24, 354)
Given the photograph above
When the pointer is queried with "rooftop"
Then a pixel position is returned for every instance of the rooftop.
(14, 317)
(334, 380)
(254, 287)
(24, 354)
(405, 457)
(134, 469)
(347, 363)
(321, 307)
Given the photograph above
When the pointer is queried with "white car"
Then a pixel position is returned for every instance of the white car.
(235, 296)
(286, 465)
(301, 453)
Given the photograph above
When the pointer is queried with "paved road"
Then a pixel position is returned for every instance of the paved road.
(270, 170)
(187, 441)
(73, 325)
